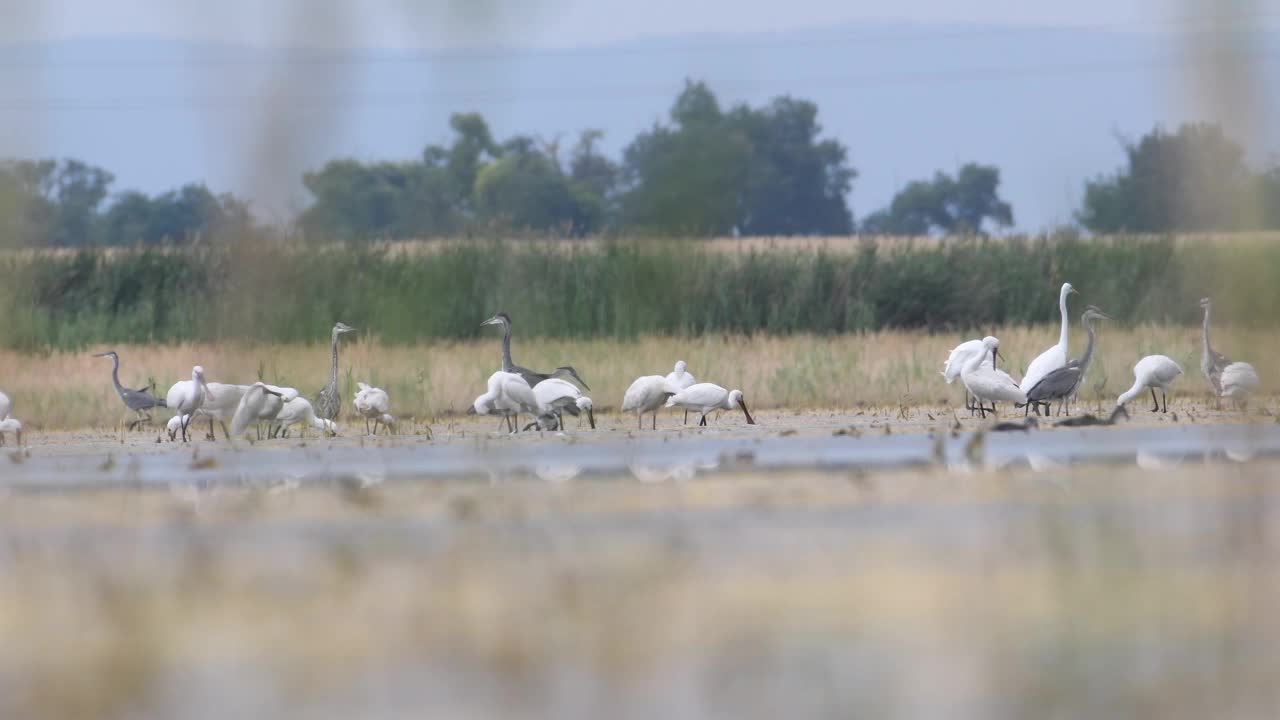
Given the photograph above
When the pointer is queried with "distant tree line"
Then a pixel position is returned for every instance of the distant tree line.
(706, 171)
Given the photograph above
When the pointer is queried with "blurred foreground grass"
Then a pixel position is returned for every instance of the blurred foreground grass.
(1071, 593)
(71, 390)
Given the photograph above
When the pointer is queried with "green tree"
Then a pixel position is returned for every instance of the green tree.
(525, 189)
(1194, 179)
(954, 205)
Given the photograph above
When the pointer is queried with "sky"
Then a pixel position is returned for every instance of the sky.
(525, 23)
(1043, 90)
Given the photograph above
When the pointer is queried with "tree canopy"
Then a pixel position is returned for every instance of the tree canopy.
(963, 204)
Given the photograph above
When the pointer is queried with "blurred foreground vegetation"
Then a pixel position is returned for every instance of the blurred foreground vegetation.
(258, 291)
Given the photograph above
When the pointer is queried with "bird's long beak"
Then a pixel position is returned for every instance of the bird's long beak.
(272, 392)
(100, 354)
(591, 417)
(1073, 291)
(207, 392)
(743, 404)
(491, 321)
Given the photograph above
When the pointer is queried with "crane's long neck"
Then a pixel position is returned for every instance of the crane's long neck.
(115, 375)
(1066, 322)
(507, 363)
(1207, 354)
(333, 368)
(1087, 357)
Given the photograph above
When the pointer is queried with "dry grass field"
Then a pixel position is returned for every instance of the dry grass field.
(72, 390)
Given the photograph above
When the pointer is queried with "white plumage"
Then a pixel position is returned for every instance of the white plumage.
(187, 396)
(554, 396)
(1239, 381)
(508, 394)
(299, 411)
(988, 384)
(11, 425)
(646, 395)
(702, 398)
(374, 404)
(1152, 371)
(679, 379)
(1056, 356)
(254, 405)
(5, 406)
(959, 357)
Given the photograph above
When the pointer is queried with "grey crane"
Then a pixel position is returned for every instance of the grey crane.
(137, 401)
(328, 402)
(1062, 384)
(530, 376)
(1211, 363)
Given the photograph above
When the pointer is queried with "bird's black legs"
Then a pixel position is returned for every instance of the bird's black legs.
(703, 422)
(686, 417)
(212, 437)
(1165, 394)
(1155, 403)
(185, 422)
(655, 419)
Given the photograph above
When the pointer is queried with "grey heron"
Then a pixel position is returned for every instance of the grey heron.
(1056, 356)
(1062, 384)
(530, 376)
(680, 378)
(137, 401)
(702, 398)
(987, 383)
(187, 396)
(646, 395)
(1212, 363)
(327, 401)
(1151, 372)
(373, 404)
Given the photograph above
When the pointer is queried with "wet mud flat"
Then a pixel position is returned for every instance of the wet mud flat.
(818, 565)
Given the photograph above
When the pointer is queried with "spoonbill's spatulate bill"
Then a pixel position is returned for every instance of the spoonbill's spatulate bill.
(702, 398)
(1151, 372)
(1056, 356)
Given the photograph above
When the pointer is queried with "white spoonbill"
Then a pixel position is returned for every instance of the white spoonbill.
(374, 404)
(679, 379)
(702, 398)
(1056, 356)
(1239, 380)
(508, 395)
(5, 405)
(646, 395)
(255, 402)
(187, 396)
(11, 425)
(987, 383)
(1152, 371)
(956, 361)
(299, 411)
(556, 397)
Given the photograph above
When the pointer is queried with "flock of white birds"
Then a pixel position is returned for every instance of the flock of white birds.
(1051, 376)
(514, 391)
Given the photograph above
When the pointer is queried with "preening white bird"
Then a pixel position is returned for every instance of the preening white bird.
(556, 397)
(299, 411)
(11, 425)
(956, 361)
(987, 383)
(508, 395)
(373, 404)
(702, 398)
(1056, 356)
(646, 395)
(1239, 381)
(254, 404)
(1152, 371)
(679, 379)
(187, 396)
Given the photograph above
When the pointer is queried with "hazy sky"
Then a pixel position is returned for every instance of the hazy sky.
(553, 23)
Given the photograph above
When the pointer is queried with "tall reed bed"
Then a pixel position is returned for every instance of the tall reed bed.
(620, 289)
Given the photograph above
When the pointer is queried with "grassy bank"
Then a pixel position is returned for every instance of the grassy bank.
(617, 290)
(65, 389)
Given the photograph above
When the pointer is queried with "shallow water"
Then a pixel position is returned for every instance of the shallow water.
(560, 457)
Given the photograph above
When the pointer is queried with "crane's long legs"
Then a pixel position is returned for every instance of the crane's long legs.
(686, 417)
(1164, 393)
(1154, 402)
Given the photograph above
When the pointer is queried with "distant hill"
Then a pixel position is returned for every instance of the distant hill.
(1045, 105)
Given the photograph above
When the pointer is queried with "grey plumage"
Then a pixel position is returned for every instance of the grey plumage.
(532, 377)
(138, 401)
(1211, 363)
(328, 402)
(1062, 384)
